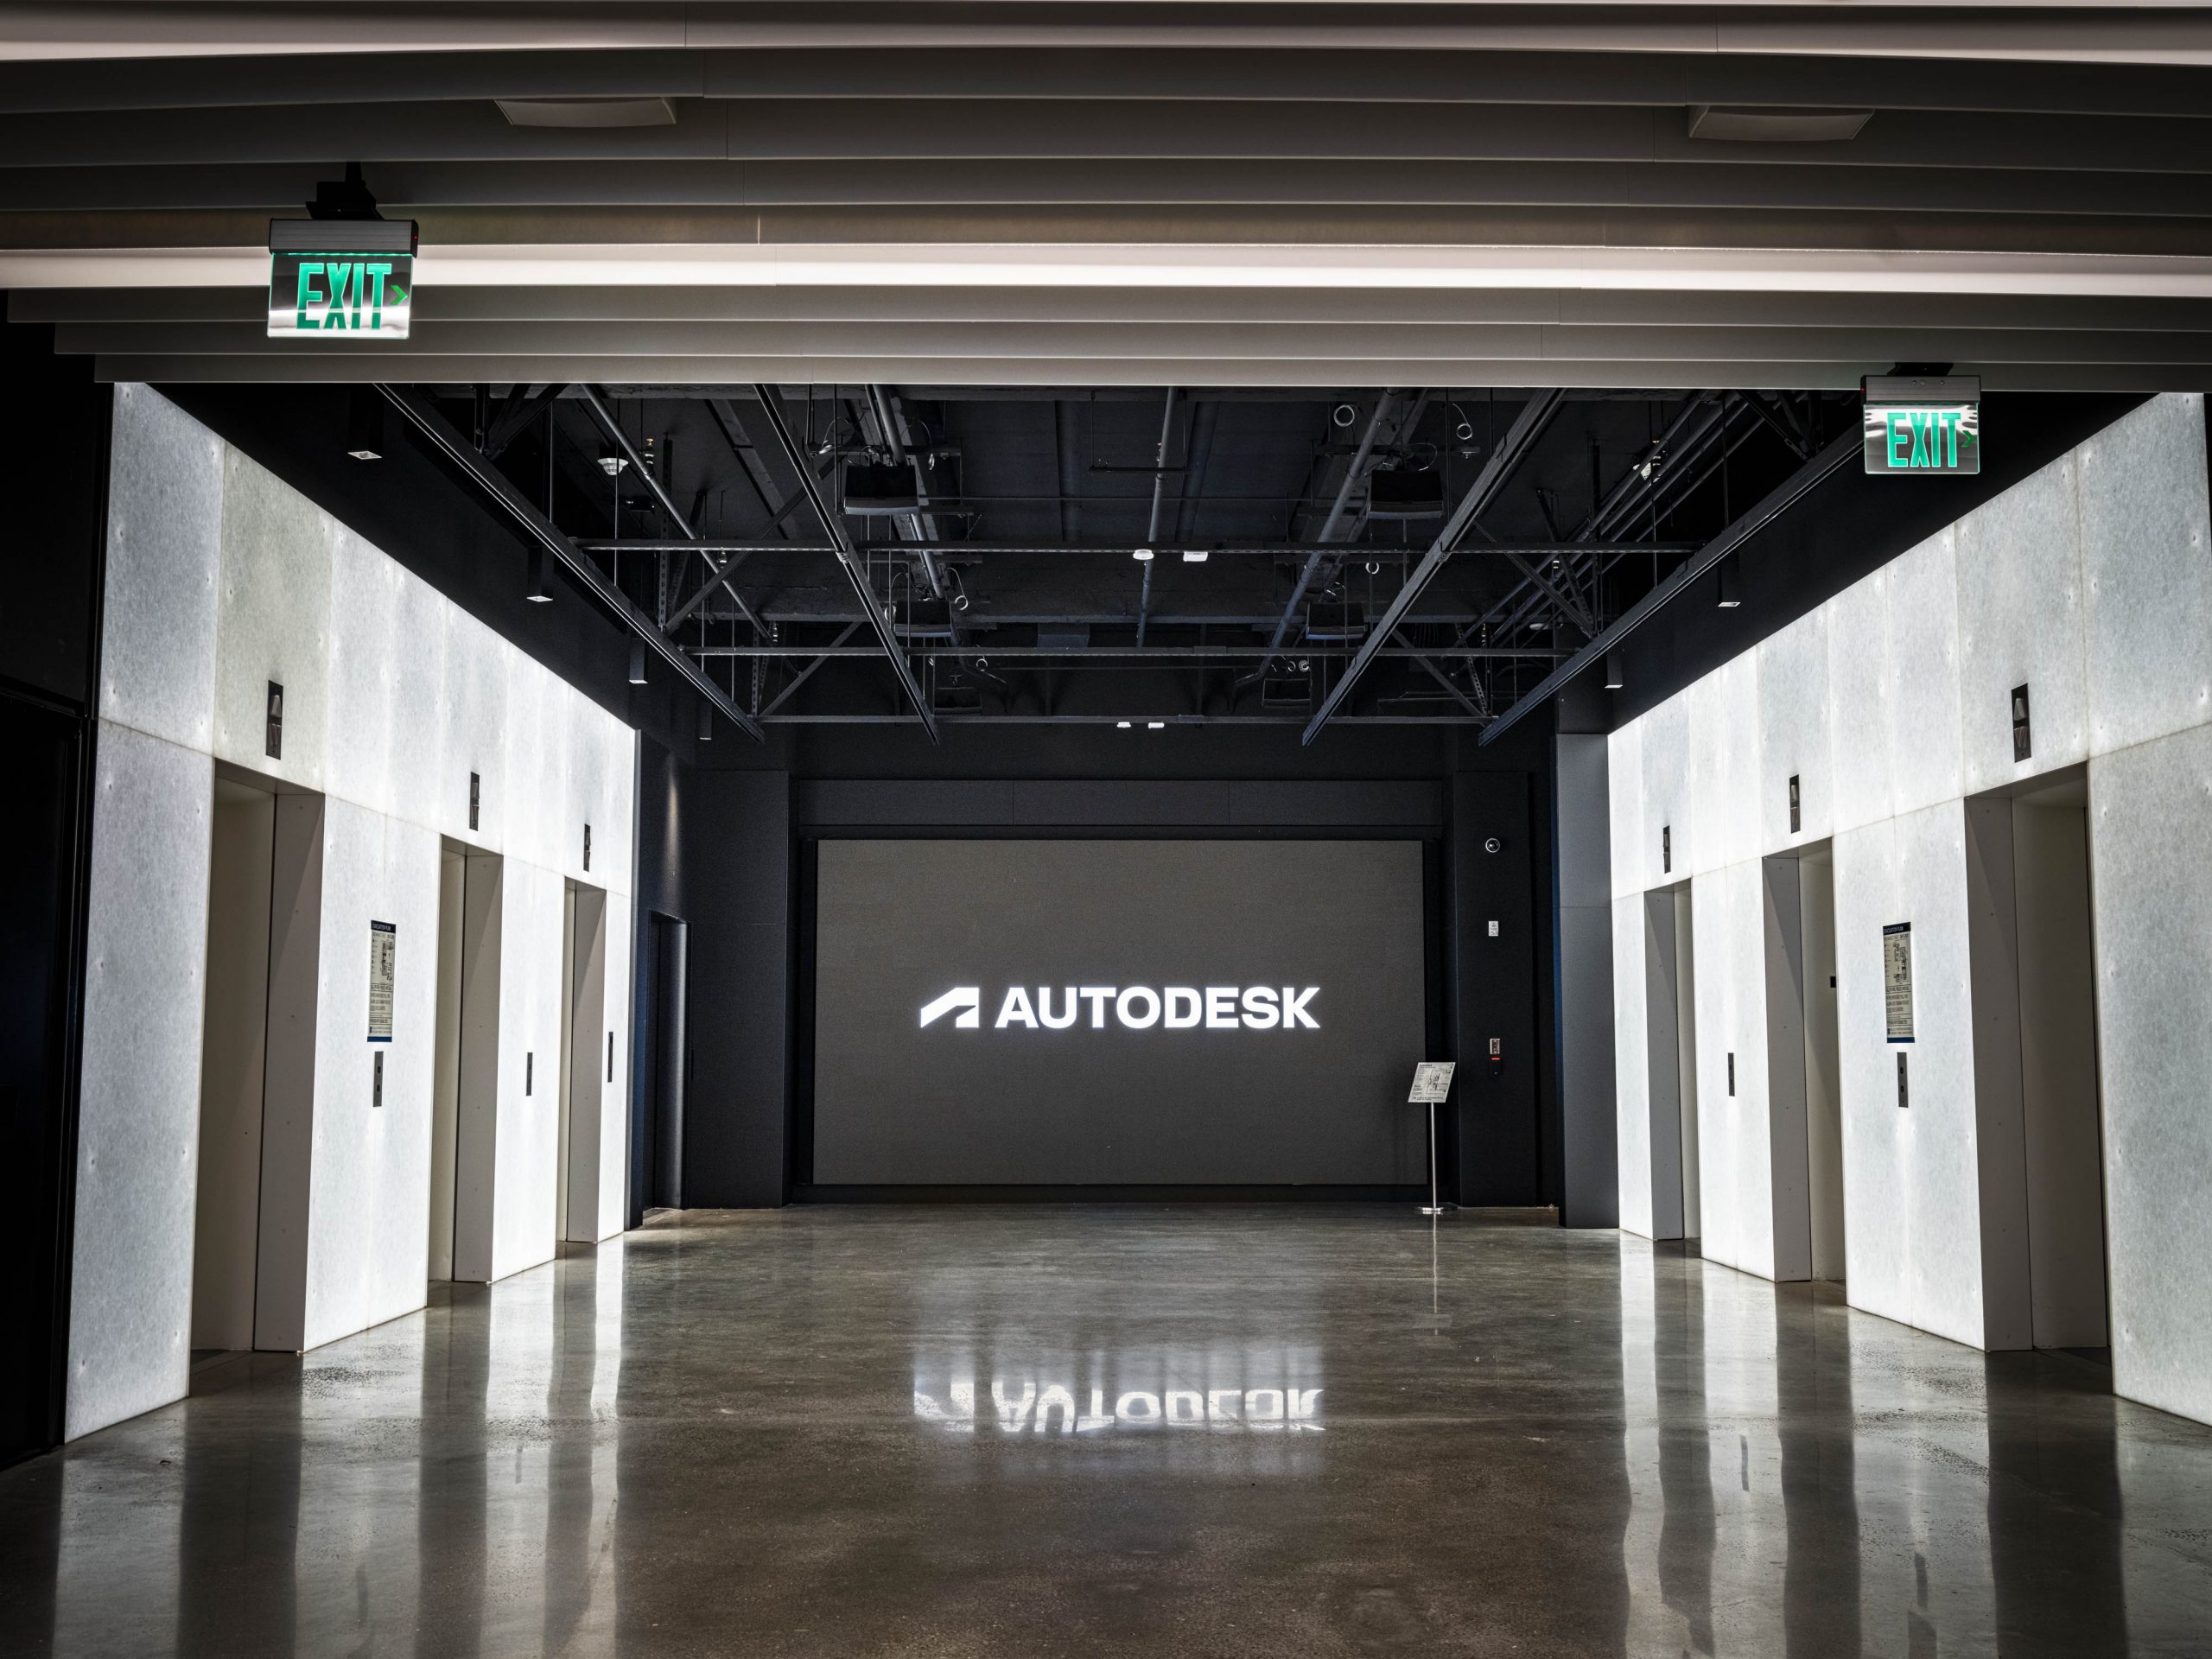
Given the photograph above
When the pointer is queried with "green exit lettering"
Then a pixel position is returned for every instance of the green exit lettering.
(337, 294)
(1923, 438)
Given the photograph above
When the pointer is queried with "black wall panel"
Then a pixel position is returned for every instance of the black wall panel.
(1495, 991)
(734, 834)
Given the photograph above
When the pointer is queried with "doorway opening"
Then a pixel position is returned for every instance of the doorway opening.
(659, 1139)
(257, 1070)
(1670, 992)
(465, 1095)
(2038, 1112)
(1804, 1064)
(585, 1069)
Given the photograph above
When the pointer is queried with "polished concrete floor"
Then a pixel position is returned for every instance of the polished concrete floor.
(1179, 1432)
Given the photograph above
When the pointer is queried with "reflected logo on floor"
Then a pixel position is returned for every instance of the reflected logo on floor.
(1137, 1008)
(1033, 1405)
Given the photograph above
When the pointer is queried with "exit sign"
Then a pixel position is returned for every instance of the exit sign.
(352, 278)
(1923, 423)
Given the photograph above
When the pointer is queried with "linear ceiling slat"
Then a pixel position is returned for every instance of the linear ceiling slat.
(444, 306)
(934, 129)
(891, 342)
(418, 186)
(632, 372)
(1379, 74)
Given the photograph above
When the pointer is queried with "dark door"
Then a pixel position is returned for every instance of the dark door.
(670, 1063)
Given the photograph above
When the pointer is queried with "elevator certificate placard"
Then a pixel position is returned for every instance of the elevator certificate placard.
(384, 952)
(1897, 979)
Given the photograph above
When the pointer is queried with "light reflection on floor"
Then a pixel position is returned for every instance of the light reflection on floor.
(1003, 1432)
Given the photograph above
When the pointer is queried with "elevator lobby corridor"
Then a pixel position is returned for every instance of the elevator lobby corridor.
(1191, 1431)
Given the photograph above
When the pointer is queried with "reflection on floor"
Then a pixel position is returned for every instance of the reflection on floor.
(1284, 1431)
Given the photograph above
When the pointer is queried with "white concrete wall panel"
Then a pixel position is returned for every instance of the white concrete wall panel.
(2091, 581)
(2151, 847)
(220, 578)
(1858, 703)
(1878, 1139)
(1710, 773)
(1666, 756)
(1624, 807)
(369, 656)
(2147, 569)
(1945, 1176)
(164, 529)
(1733, 1144)
(1793, 734)
(1910, 1179)
(272, 622)
(423, 787)
(139, 1123)
(368, 1213)
(614, 1090)
(1923, 669)
(476, 735)
(2019, 577)
(1632, 1066)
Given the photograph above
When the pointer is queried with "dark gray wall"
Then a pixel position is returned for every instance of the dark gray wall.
(53, 461)
(734, 831)
(1583, 922)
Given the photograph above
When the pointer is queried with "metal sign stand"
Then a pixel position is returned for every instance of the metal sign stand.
(1432, 1086)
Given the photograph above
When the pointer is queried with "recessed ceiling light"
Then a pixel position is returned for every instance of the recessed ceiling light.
(1194, 555)
(1142, 554)
(1155, 725)
(1121, 725)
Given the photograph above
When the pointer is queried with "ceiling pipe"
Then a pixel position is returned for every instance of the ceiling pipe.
(1353, 473)
(1519, 439)
(1778, 501)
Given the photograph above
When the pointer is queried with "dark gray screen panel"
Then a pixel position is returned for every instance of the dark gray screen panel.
(966, 1100)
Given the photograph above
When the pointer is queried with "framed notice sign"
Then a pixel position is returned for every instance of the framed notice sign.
(384, 952)
(1897, 979)
(1432, 1083)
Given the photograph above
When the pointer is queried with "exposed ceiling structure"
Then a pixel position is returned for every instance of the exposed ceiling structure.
(881, 553)
(1147, 193)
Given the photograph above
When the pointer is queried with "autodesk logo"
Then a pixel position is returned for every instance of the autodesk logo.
(1139, 1008)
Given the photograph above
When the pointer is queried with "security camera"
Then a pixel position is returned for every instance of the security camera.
(1491, 844)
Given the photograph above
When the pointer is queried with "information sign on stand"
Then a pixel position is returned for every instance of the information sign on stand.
(1432, 1087)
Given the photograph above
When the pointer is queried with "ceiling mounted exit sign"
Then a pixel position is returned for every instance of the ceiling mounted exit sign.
(1923, 423)
(351, 277)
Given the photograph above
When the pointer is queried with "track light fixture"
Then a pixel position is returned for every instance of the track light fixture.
(1613, 681)
(537, 593)
(637, 662)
